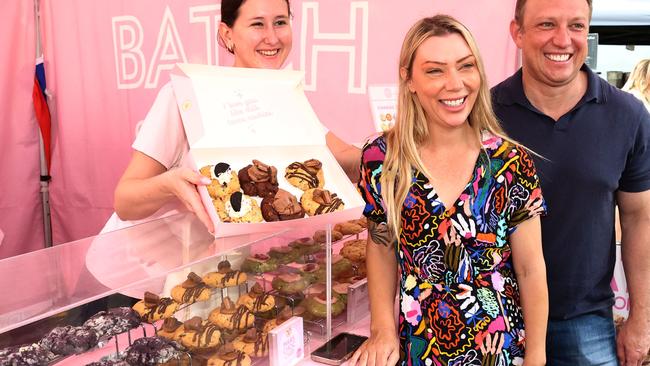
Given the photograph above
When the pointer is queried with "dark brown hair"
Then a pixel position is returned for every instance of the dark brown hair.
(521, 4)
(230, 13)
(230, 10)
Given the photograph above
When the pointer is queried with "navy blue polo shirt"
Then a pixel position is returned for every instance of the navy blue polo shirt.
(600, 146)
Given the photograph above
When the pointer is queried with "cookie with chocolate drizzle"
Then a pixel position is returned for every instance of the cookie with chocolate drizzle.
(282, 317)
(193, 289)
(317, 201)
(225, 276)
(171, 329)
(258, 179)
(200, 334)
(305, 175)
(224, 180)
(281, 206)
(229, 356)
(256, 300)
(232, 317)
(253, 343)
(153, 308)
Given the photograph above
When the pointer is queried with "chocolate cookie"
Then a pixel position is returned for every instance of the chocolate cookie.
(33, 354)
(114, 321)
(305, 175)
(281, 206)
(152, 351)
(69, 340)
(318, 201)
(258, 179)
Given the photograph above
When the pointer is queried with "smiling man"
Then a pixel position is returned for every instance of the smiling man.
(594, 143)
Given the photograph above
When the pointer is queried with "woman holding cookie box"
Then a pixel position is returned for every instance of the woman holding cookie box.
(453, 211)
(158, 180)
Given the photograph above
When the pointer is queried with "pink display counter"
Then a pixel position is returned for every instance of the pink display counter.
(157, 256)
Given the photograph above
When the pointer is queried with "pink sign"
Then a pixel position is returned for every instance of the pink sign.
(107, 59)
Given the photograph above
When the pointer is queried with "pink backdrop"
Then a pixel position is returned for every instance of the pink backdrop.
(105, 61)
(20, 208)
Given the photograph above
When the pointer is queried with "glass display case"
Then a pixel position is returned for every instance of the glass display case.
(234, 284)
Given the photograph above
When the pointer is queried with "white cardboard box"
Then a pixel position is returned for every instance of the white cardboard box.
(234, 115)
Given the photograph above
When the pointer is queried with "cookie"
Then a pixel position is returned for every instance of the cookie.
(256, 300)
(305, 175)
(232, 317)
(285, 314)
(224, 277)
(281, 206)
(149, 351)
(113, 322)
(238, 207)
(171, 329)
(290, 283)
(340, 290)
(192, 290)
(320, 235)
(284, 254)
(348, 227)
(258, 179)
(341, 266)
(316, 305)
(312, 272)
(68, 340)
(224, 180)
(153, 308)
(259, 263)
(228, 356)
(354, 250)
(253, 343)
(317, 201)
(305, 246)
(33, 354)
(200, 334)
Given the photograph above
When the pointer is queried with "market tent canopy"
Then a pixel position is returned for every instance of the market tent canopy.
(621, 13)
(622, 22)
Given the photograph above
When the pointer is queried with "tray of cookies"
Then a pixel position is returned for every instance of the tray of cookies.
(241, 127)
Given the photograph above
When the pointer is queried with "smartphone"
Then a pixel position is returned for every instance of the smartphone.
(338, 349)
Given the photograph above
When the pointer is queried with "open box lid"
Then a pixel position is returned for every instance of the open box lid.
(235, 115)
(259, 104)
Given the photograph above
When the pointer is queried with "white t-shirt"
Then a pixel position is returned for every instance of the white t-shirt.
(160, 136)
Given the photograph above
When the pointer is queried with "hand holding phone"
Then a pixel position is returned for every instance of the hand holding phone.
(338, 349)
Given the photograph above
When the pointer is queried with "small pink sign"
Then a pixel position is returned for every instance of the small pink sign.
(286, 343)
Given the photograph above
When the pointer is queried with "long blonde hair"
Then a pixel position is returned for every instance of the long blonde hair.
(411, 130)
(639, 80)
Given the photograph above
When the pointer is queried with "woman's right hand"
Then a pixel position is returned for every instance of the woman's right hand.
(381, 349)
(183, 182)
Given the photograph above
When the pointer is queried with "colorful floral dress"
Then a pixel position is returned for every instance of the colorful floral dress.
(459, 300)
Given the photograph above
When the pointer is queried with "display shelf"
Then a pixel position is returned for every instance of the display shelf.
(49, 281)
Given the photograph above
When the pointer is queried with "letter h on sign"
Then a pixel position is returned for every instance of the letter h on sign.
(353, 43)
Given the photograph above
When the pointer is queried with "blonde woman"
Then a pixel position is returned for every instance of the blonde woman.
(453, 208)
(639, 82)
